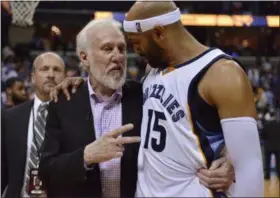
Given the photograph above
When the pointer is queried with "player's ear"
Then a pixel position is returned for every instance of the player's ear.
(158, 34)
(84, 61)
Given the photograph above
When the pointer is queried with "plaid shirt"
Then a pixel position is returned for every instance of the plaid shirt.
(107, 116)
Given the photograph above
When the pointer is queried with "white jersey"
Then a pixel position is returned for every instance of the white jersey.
(171, 152)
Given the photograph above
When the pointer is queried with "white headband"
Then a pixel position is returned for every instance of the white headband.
(148, 24)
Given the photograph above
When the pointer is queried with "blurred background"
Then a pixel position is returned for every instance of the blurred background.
(249, 31)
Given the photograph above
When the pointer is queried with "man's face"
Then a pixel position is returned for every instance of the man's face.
(108, 58)
(18, 92)
(148, 49)
(48, 73)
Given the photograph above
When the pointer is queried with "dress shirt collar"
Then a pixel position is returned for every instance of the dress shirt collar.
(99, 99)
(37, 103)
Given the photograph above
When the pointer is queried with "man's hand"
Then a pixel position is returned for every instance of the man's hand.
(219, 176)
(109, 146)
(63, 86)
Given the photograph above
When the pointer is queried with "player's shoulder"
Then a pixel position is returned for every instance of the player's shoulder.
(225, 68)
(226, 73)
(226, 80)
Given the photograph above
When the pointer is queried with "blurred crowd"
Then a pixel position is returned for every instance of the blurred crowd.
(264, 77)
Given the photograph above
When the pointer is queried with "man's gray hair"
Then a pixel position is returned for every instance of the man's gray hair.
(83, 43)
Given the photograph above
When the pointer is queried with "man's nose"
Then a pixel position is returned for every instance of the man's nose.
(51, 73)
(117, 56)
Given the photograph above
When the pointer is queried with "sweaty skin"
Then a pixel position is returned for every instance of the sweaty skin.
(226, 86)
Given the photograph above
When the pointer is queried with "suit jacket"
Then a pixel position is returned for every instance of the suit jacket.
(271, 135)
(69, 129)
(14, 131)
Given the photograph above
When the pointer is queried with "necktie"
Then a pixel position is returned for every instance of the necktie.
(38, 138)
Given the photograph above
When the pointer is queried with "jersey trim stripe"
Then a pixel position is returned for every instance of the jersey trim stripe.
(205, 147)
(196, 58)
(198, 142)
(168, 70)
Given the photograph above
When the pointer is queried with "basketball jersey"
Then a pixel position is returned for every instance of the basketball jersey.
(180, 132)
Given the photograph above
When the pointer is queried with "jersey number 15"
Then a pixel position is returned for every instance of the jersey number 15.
(158, 147)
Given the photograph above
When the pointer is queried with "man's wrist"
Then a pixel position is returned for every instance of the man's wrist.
(87, 163)
(87, 160)
(89, 167)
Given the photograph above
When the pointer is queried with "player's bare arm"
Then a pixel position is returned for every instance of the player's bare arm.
(225, 86)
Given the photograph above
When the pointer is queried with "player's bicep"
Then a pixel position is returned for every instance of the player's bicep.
(231, 92)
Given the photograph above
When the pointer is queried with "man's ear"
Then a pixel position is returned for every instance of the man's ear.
(32, 78)
(84, 60)
(159, 35)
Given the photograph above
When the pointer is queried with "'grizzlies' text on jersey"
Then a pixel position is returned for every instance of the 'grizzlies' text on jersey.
(180, 132)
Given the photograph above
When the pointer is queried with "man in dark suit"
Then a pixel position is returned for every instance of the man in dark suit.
(21, 129)
(70, 128)
(271, 137)
(84, 136)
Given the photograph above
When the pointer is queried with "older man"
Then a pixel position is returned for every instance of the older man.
(22, 131)
(86, 152)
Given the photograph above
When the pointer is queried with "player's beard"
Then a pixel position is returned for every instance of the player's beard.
(113, 80)
(155, 56)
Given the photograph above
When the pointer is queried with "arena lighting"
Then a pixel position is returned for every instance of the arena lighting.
(212, 20)
(103, 15)
(273, 21)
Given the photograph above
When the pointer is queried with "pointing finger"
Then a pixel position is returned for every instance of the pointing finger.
(117, 132)
(128, 140)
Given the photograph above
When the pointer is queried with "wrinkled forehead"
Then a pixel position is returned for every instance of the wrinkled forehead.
(50, 61)
(107, 34)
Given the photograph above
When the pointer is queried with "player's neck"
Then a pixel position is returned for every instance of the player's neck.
(181, 52)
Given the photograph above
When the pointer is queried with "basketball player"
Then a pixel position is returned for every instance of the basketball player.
(196, 99)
